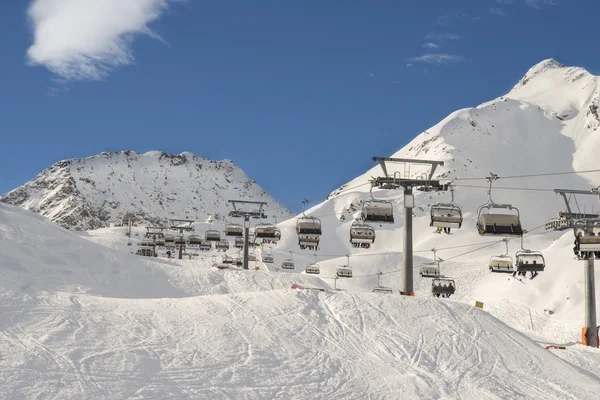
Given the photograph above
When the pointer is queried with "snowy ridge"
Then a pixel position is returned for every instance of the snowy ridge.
(87, 193)
(118, 326)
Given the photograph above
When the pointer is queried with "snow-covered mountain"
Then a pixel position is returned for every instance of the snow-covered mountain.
(87, 193)
(547, 123)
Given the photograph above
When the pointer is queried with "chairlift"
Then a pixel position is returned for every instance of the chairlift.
(381, 211)
(239, 243)
(587, 241)
(145, 251)
(179, 240)
(220, 265)
(205, 246)
(268, 258)
(502, 263)
(288, 264)
(169, 240)
(267, 233)
(194, 241)
(446, 215)
(344, 271)
(212, 235)
(361, 235)
(222, 245)
(308, 230)
(382, 289)
(236, 230)
(529, 261)
(313, 269)
(147, 242)
(227, 259)
(443, 287)
(505, 223)
(432, 269)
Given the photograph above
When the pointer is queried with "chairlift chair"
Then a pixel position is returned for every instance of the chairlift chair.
(361, 235)
(587, 241)
(147, 242)
(382, 289)
(236, 230)
(502, 263)
(446, 215)
(194, 241)
(227, 259)
(222, 245)
(252, 257)
(430, 271)
(145, 251)
(288, 264)
(205, 246)
(239, 243)
(179, 240)
(267, 233)
(498, 223)
(268, 258)
(344, 271)
(529, 261)
(313, 269)
(443, 287)
(169, 240)
(381, 211)
(212, 235)
(308, 230)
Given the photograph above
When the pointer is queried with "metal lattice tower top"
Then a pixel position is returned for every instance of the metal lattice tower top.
(238, 212)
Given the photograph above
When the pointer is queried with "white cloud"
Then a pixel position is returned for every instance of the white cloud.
(538, 3)
(430, 45)
(505, 2)
(498, 11)
(442, 37)
(86, 39)
(449, 19)
(437, 58)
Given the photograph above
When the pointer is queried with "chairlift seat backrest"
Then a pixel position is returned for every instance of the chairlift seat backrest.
(288, 264)
(378, 211)
(344, 272)
(530, 261)
(313, 269)
(499, 224)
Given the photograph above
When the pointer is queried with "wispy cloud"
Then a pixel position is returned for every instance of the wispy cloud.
(87, 39)
(498, 11)
(442, 37)
(505, 2)
(430, 45)
(437, 58)
(449, 19)
(539, 3)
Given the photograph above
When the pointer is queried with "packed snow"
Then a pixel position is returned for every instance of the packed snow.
(81, 320)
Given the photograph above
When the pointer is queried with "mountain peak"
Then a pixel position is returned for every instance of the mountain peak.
(537, 69)
(86, 193)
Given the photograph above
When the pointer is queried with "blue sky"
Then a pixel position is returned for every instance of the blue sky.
(300, 94)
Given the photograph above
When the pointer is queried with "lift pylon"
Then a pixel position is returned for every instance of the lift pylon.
(407, 184)
(256, 213)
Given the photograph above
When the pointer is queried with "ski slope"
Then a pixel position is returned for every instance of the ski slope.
(81, 320)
